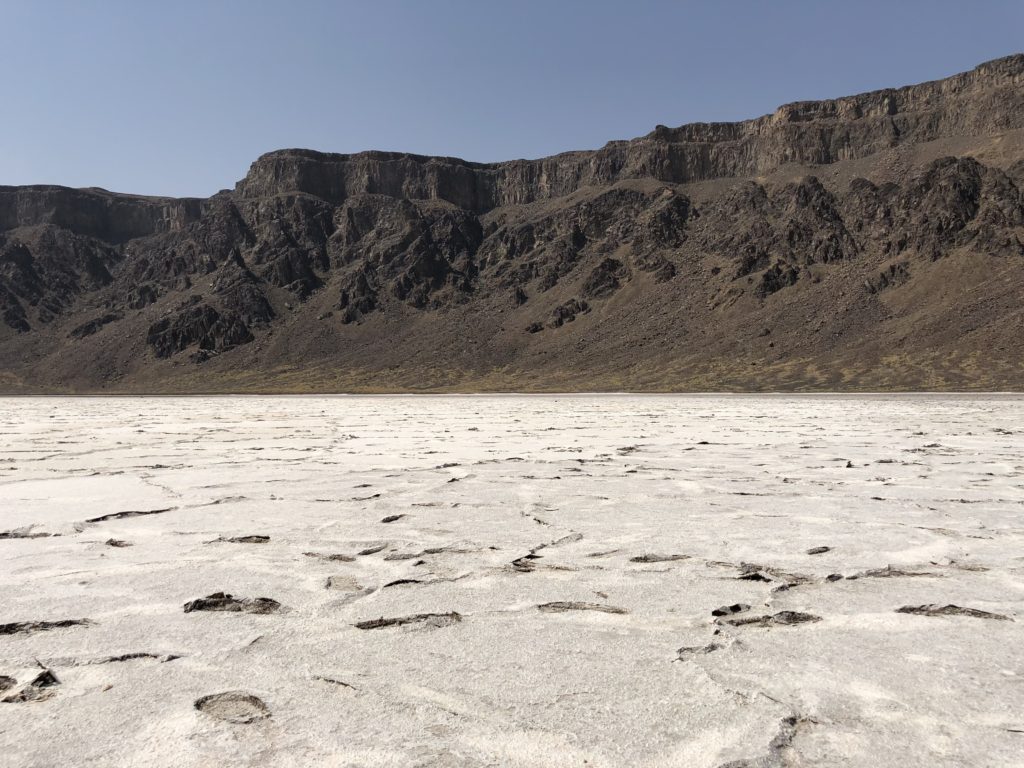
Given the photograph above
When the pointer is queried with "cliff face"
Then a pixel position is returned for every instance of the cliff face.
(870, 241)
(987, 100)
(95, 213)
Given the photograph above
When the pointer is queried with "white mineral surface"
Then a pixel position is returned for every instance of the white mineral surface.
(556, 561)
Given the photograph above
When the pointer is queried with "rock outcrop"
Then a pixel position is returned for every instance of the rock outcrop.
(987, 100)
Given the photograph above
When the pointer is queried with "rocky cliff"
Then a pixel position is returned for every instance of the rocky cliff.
(987, 100)
(871, 241)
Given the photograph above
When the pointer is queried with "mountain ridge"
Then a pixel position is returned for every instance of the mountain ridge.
(686, 153)
(690, 258)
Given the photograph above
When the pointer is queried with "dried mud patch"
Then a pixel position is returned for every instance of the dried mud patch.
(236, 707)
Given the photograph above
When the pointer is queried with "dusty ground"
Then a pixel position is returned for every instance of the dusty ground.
(571, 551)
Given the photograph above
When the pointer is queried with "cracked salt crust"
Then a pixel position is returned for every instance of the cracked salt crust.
(663, 508)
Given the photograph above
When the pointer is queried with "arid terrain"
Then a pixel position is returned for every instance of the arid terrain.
(870, 242)
(702, 581)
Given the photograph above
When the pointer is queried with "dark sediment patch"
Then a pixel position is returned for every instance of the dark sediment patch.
(334, 681)
(398, 582)
(780, 619)
(697, 650)
(129, 513)
(163, 658)
(950, 610)
(525, 563)
(729, 610)
(889, 573)
(572, 538)
(780, 749)
(248, 539)
(25, 533)
(427, 619)
(221, 601)
(40, 688)
(562, 607)
(336, 557)
(28, 627)
(756, 572)
(236, 707)
(753, 577)
(655, 558)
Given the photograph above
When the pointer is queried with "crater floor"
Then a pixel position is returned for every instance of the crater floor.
(512, 580)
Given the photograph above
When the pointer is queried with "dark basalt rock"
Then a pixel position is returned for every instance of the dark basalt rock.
(140, 296)
(566, 313)
(891, 277)
(605, 279)
(775, 279)
(12, 312)
(421, 254)
(974, 202)
(660, 268)
(546, 250)
(200, 325)
(359, 299)
(782, 229)
(92, 326)
(45, 268)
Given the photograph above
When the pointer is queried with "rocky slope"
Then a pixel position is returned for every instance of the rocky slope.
(873, 241)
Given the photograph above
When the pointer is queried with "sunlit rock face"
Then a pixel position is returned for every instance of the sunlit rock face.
(869, 242)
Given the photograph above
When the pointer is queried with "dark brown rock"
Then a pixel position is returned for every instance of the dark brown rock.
(201, 326)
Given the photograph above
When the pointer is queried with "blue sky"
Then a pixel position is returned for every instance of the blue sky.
(178, 98)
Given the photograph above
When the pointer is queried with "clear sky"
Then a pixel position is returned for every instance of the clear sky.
(179, 97)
